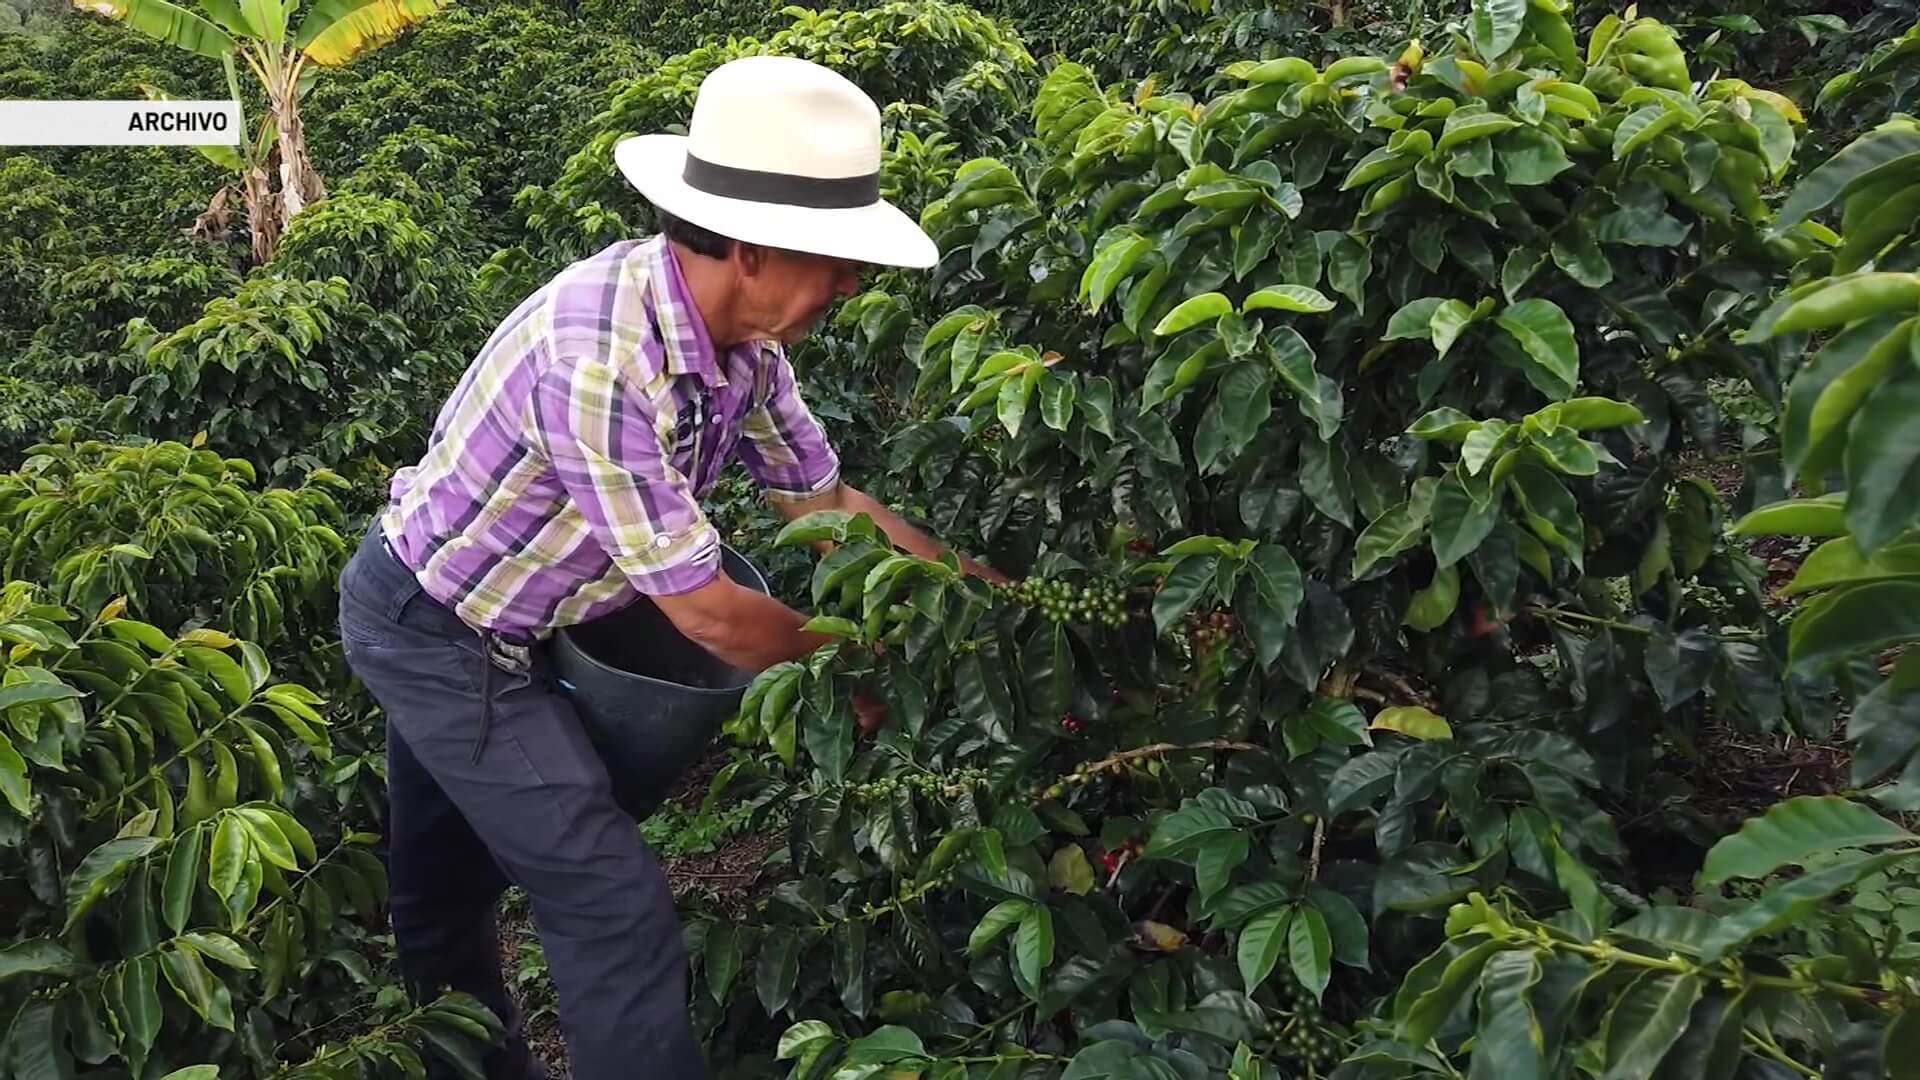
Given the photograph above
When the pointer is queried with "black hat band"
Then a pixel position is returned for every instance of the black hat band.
(833, 193)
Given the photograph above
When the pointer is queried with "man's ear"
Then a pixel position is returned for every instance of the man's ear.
(750, 258)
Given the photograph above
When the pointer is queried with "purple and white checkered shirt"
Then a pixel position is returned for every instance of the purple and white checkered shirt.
(564, 474)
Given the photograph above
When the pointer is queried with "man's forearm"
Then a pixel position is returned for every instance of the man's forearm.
(748, 629)
(904, 535)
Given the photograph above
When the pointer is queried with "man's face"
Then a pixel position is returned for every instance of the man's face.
(788, 292)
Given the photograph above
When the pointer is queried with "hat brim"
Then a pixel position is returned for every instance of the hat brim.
(879, 233)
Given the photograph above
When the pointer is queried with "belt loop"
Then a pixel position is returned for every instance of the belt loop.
(405, 583)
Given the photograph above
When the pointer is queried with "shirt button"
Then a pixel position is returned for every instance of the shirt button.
(663, 541)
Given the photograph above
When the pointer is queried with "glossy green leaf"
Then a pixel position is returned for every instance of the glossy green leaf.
(1310, 949)
(1459, 524)
(994, 925)
(1546, 335)
(1261, 943)
(15, 785)
(34, 956)
(1188, 829)
(1789, 902)
(218, 947)
(1425, 1012)
(802, 1039)
(1860, 620)
(721, 959)
(1111, 265)
(1414, 320)
(1674, 929)
(1820, 517)
(226, 864)
(1883, 458)
(981, 691)
(1530, 156)
(1185, 585)
(1450, 320)
(1016, 396)
(778, 969)
(187, 973)
(1839, 562)
(1550, 510)
(183, 870)
(1392, 533)
(1510, 1043)
(1497, 25)
(1444, 425)
(1246, 401)
(1349, 265)
(1433, 605)
(1641, 127)
(1597, 413)
(1296, 298)
(1205, 308)
(1463, 126)
(1789, 832)
(1843, 354)
(1875, 154)
(102, 871)
(133, 994)
(1646, 1021)
(1033, 948)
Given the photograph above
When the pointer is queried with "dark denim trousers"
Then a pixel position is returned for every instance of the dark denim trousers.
(530, 805)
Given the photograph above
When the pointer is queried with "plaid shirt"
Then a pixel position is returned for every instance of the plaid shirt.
(564, 474)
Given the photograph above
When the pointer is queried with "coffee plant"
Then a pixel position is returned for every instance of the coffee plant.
(1384, 370)
(1427, 436)
(1849, 440)
(179, 532)
(174, 892)
(289, 374)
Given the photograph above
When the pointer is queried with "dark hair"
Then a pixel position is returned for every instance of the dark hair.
(694, 238)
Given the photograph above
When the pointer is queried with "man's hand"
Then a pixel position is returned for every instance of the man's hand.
(846, 497)
(870, 712)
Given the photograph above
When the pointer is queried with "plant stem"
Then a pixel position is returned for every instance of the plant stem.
(1559, 614)
(1767, 1046)
(1319, 837)
(1608, 952)
(987, 1029)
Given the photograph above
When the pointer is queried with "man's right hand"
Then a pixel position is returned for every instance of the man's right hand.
(869, 711)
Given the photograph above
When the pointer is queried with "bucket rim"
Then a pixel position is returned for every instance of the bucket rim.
(575, 651)
(564, 637)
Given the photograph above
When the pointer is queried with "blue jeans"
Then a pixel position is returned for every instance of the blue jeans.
(527, 804)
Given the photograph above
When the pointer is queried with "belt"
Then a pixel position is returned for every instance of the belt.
(503, 650)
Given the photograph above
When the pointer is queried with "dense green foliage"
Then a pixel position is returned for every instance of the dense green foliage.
(1380, 404)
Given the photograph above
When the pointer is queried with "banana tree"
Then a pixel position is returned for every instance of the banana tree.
(281, 46)
(252, 162)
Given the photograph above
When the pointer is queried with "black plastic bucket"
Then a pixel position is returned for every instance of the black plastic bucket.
(650, 698)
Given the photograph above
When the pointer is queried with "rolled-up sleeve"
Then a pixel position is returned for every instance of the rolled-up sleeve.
(782, 446)
(608, 453)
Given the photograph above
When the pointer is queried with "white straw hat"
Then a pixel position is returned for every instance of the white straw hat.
(784, 153)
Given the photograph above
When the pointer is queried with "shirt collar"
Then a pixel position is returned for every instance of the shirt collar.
(689, 350)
